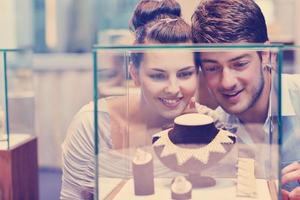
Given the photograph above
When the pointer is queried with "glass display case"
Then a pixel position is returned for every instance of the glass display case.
(17, 96)
(153, 139)
(18, 144)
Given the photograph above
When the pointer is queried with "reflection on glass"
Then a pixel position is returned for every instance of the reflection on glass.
(111, 74)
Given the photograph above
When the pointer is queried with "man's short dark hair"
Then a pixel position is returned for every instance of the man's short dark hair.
(228, 21)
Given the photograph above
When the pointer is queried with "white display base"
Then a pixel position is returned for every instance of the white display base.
(14, 140)
(224, 189)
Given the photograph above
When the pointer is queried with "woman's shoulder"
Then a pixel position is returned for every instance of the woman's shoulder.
(121, 106)
(81, 128)
(84, 118)
(89, 107)
(104, 105)
(108, 108)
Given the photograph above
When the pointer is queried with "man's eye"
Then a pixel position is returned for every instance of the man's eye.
(211, 69)
(157, 76)
(185, 74)
(240, 64)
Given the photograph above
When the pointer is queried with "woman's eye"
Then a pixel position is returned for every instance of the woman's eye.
(185, 74)
(158, 76)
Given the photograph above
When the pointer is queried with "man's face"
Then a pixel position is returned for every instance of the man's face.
(234, 77)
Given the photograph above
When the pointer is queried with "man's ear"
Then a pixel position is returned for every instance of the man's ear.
(266, 58)
(265, 55)
(134, 75)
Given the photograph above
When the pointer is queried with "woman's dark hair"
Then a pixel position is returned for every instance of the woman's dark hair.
(158, 21)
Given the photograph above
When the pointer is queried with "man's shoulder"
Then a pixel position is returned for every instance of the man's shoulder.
(224, 116)
(291, 81)
(290, 94)
(291, 87)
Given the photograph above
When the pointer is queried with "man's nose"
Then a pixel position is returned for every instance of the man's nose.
(228, 81)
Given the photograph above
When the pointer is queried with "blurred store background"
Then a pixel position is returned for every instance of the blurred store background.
(60, 34)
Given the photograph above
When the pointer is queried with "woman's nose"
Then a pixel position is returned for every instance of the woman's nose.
(172, 87)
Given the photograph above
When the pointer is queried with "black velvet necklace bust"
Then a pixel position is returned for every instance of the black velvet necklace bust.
(193, 128)
(201, 134)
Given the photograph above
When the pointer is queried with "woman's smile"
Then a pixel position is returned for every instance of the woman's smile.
(170, 102)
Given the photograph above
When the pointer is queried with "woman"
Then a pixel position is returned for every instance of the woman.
(167, 82)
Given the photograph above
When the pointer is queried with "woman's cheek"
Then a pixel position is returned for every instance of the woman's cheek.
(190, 87)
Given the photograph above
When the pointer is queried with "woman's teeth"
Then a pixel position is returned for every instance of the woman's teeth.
(170, 102)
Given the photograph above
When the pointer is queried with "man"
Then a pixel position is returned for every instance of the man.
(241, 80)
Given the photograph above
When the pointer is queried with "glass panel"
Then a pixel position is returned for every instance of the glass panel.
(21, 92)
(3, 135)
(152, 138)
(290, 86)
(17, 97)
(111, 73)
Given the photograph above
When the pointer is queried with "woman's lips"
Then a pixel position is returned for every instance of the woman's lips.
(170, 102)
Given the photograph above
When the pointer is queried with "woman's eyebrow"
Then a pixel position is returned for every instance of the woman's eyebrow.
(187, 68)
(157, 69)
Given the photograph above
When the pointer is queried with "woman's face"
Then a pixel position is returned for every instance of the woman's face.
(168, 80)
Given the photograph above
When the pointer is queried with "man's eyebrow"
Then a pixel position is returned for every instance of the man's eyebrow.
(239, 57)
(208, 61)
(231, 60)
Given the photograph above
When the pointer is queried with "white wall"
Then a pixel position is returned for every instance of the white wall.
(16, 26)
(188, 7)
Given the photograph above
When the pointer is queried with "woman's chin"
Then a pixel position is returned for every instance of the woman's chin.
(171, 114)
